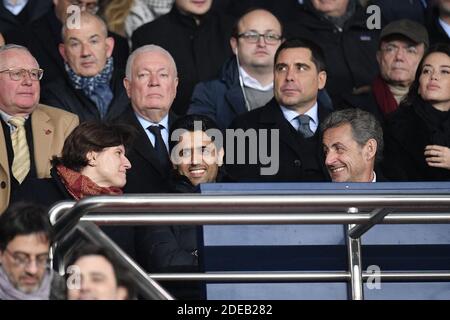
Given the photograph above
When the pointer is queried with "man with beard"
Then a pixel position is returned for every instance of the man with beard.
(25, 239)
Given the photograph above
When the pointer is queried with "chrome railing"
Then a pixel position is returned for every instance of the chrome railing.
(267, 209)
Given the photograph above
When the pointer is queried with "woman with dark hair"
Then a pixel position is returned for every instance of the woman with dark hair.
(93, 162)
(418, 134)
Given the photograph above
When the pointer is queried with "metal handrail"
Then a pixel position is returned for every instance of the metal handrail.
(265, 209)
(198, 203)
(148, 288)
(280, 276)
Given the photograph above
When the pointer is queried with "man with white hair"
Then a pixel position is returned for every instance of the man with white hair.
(151, 84)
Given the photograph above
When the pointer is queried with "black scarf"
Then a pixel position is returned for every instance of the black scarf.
(437, 122)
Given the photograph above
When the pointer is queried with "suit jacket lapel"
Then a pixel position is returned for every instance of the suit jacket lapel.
(43, 133)
(142, 144)
(3, 152)
(272, 117)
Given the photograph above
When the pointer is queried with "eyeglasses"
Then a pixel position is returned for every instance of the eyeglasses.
(23, 260)
(92, 7)
(17, 74)
(253, 37)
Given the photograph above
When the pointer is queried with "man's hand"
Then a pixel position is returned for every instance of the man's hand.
(437, 156)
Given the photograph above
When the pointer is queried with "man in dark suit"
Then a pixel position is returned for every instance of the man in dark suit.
(91, 87)
(151, 84)
(285, 128)
(14, 13)
(438, 23)
(43, 37)
(353, 144)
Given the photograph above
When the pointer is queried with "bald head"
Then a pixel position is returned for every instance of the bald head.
(86, 49)
(256, 55)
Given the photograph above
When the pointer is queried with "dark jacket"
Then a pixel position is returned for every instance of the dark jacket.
(408, 131)
(42, 39)
(222, 99)
(146, 174)
(364, 101)
(198, 51)
(300, 159)
(281, 8)
(48, 192)
(400, 9)
(62, 94)
(33, 10)
(435, 30)
(172, 247)
(349, 51)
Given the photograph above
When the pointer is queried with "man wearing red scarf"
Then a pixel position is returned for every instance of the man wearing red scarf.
(402, 45)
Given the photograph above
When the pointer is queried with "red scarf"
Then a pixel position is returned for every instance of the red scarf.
(383, 95)
(80, 186)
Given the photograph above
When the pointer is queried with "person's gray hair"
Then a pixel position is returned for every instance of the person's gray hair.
(86, 16)
(364, 126)
(11, 46)
(145, 49)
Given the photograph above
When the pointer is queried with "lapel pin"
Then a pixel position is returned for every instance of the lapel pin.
(48, 131)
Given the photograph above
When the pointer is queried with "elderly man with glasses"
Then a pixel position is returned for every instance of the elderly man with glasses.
(25, 239)
(31, 133)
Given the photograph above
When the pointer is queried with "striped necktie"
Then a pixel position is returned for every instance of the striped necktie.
(303, 128)
(21, 163)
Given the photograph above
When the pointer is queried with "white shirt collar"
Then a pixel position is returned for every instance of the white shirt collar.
(6, 118)
(291, 116)
(374, 177)
(15, 6)
(251, 82)
(164, 132)
(445, 26)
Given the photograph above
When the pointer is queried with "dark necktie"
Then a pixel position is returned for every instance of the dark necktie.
(160, 147)
(303, 128)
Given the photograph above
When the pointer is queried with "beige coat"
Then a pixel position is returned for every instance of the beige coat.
(50, 128)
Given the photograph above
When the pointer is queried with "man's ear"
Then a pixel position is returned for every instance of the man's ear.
(220, 156)
(91, 157)
(62, 51)
(370, 149)
(127, 85)
(109, 42)
(233, 44)
(322, 78)
(122, 293)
